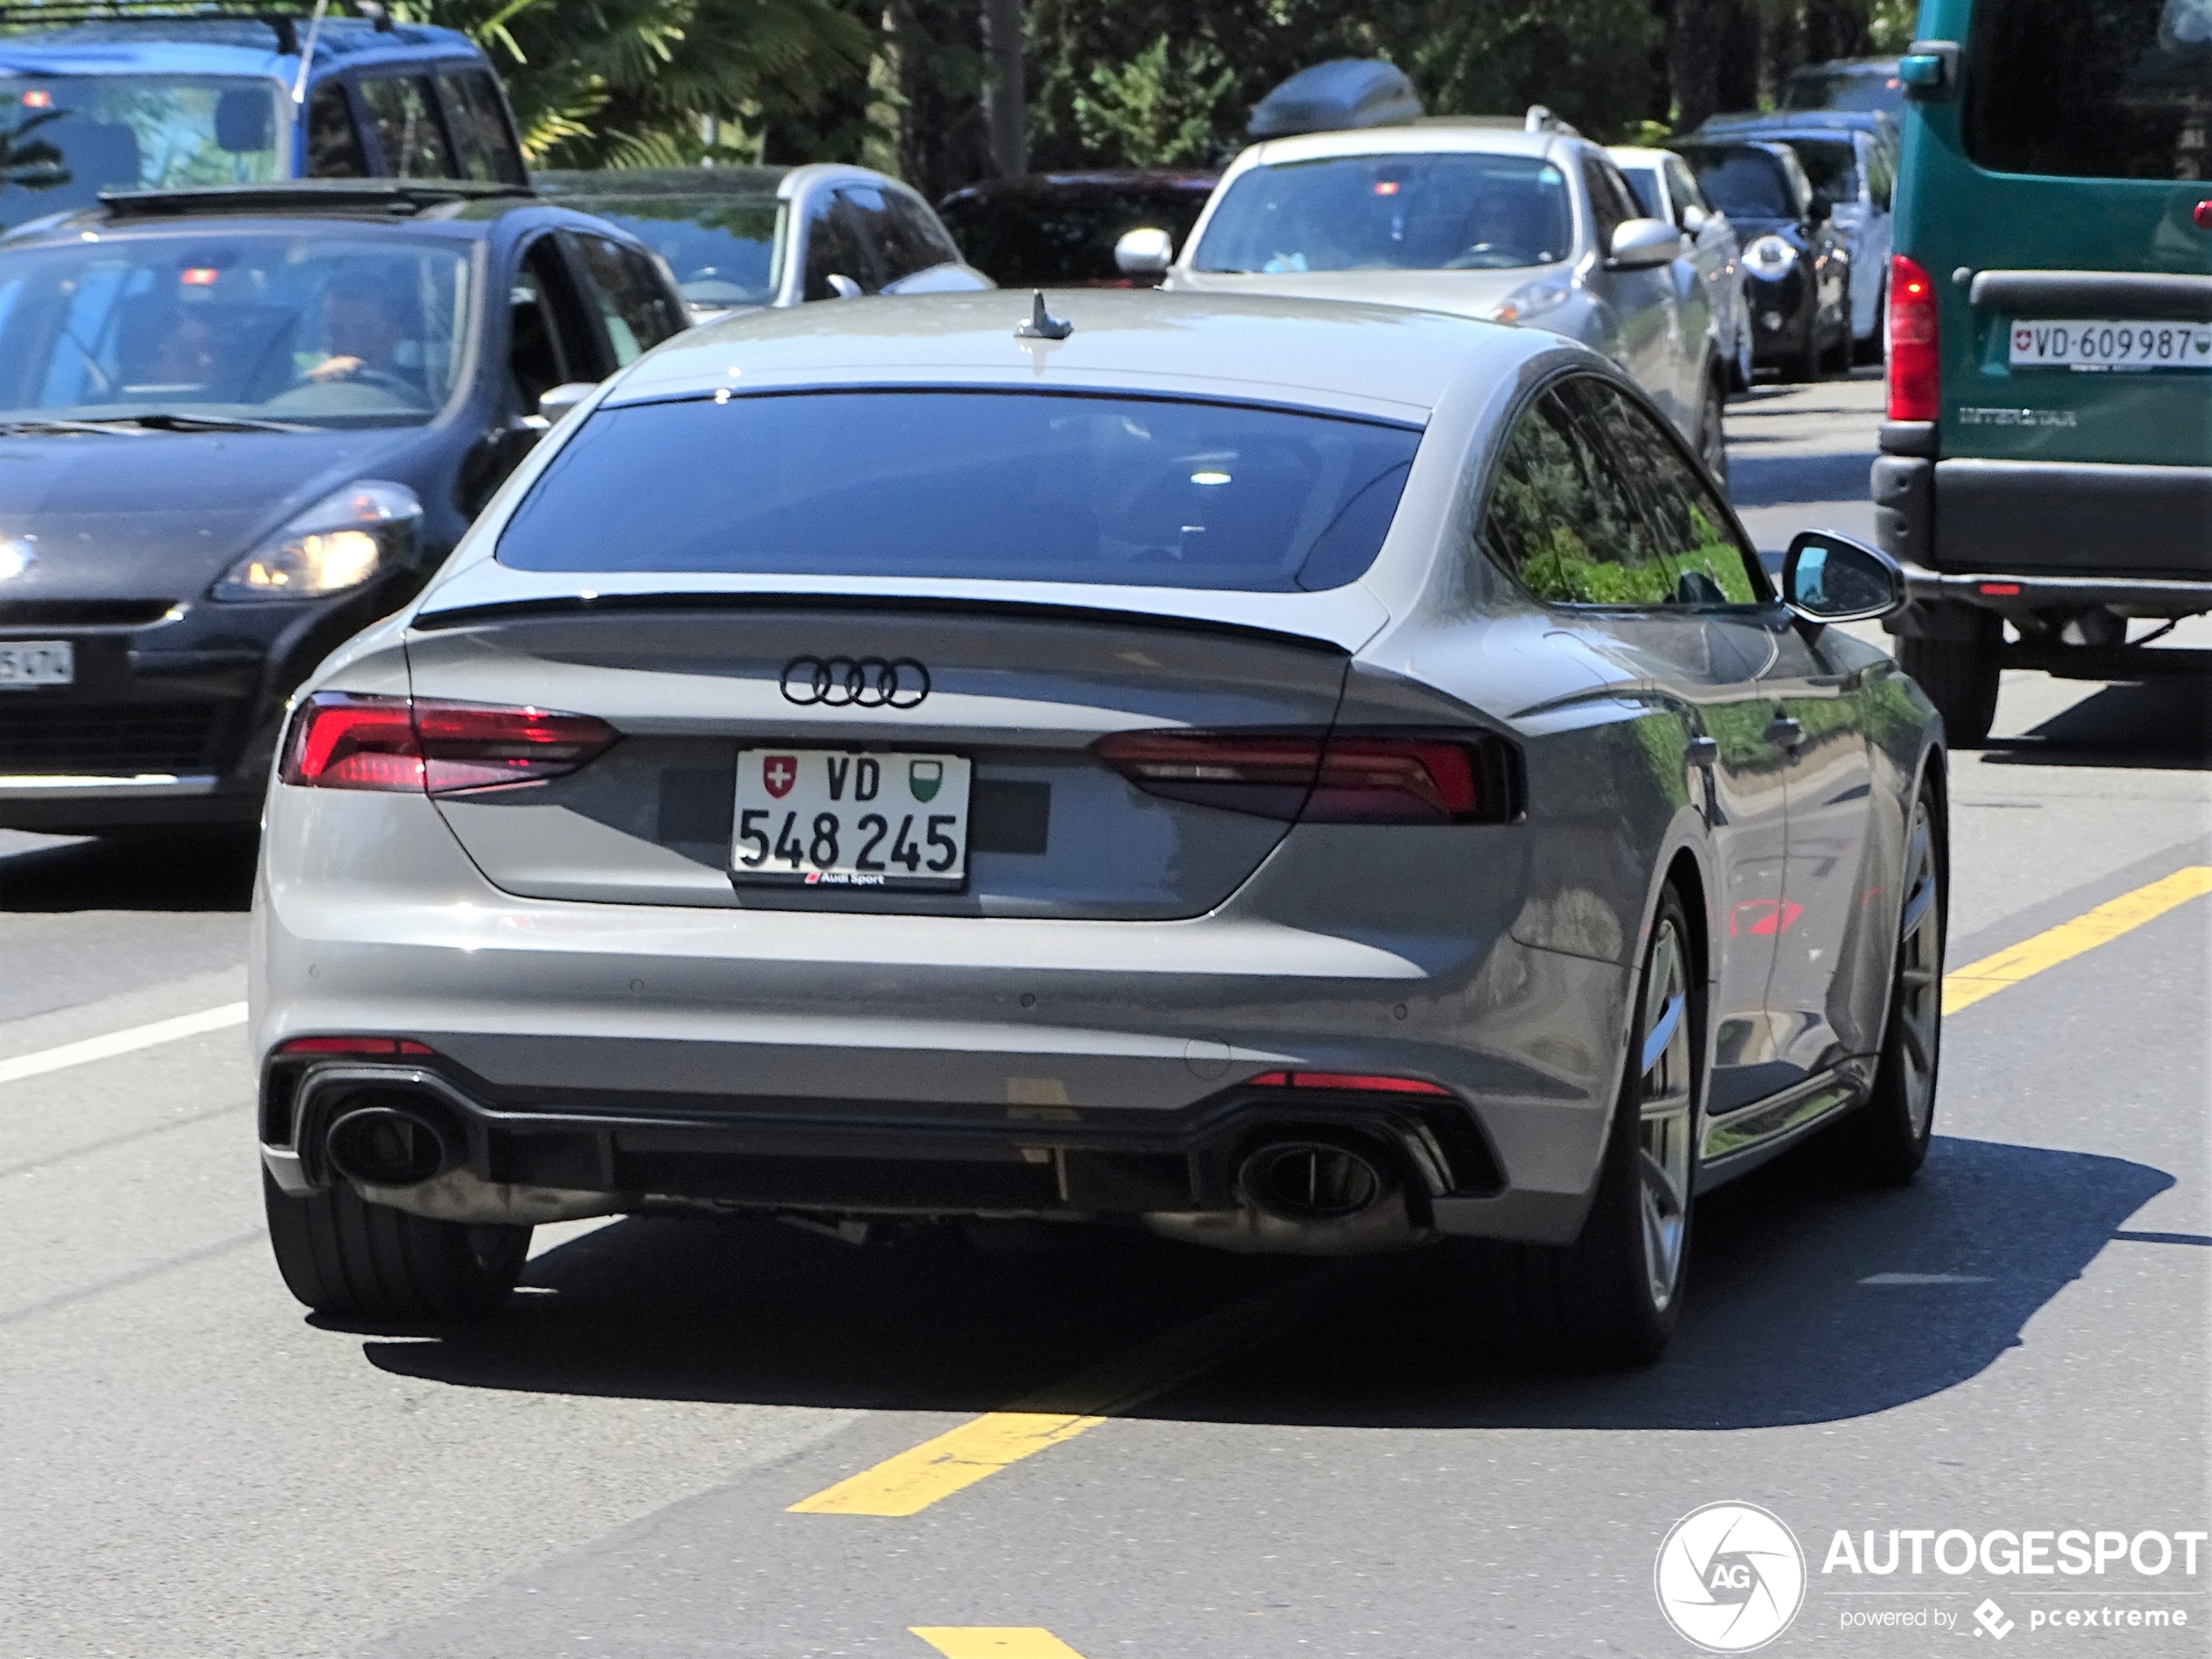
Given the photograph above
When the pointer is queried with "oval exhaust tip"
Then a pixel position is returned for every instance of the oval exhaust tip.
(1311, 1181)
(389, 1146)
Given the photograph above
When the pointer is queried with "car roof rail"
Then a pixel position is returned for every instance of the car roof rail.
(282, 20)
(1540, 119)
(396, 196)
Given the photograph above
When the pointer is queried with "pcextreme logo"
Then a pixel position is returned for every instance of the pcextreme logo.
(1731, 1577)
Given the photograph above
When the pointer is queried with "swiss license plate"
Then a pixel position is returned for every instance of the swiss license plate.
(26, 663)
(2112, 345)
(833, 817)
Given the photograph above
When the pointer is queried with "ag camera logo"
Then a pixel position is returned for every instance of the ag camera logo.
(1731, 1577)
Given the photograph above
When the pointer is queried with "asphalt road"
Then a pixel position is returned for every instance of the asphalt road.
(1290, 1458)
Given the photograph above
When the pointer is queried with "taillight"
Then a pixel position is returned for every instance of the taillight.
(1359, 1082)
(342, 741)
(354, 1045)
(1349, 778)
(1912, 342)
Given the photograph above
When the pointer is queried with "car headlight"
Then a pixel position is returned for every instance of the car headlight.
(1768, 256)
(1533, 299)
(339, 543)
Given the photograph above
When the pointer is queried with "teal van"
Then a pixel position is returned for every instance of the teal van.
(2046, 474)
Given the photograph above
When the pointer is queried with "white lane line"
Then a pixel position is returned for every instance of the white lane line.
(126, 1041)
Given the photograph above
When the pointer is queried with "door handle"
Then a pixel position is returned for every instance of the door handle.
(1702, 752)
(1784, 732)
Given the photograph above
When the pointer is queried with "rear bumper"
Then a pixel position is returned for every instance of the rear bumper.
(2063, 534)
(850, 1062)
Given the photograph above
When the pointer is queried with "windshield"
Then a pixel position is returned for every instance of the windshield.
(1870, 89)
(311, 327)
(1650, 199)
(1833, 165)
(1065, 238)
(1744, 184)
(1417, 213)
(65, 139)
(724, 252)
(1008, 486)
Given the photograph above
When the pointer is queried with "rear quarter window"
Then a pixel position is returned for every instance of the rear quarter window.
(2090, 89)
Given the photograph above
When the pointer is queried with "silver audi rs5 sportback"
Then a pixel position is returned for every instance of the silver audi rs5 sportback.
(1296, 777)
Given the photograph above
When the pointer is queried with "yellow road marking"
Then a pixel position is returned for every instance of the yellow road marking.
(1965, 986)
(912, 1481)
(994, 1642)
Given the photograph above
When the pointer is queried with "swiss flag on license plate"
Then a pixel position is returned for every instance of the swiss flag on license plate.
(779, 773)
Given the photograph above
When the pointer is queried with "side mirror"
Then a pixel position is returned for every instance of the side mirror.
(1823, 207)
(1144, 252)
(842, 287)
(1695, 218)
(558, 402)
(1826, 577)
(1639, 244)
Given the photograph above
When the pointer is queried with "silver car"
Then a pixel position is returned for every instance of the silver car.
(1665, 188)
(1523, 221)
(737, 238)
(1294, 776)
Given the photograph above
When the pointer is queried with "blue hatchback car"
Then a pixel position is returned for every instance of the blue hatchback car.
(119, 102)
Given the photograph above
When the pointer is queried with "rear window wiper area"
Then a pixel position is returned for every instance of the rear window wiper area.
(158, 421)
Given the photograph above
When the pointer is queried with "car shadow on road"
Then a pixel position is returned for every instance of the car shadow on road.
(2164, 723)
(1813, 1302)
(168, 870)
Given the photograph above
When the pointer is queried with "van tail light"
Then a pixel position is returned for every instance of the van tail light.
(1910, 346)
(1347, 778)
(412, 745)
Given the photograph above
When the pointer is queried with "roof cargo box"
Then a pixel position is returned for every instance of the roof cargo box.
(1331, 96)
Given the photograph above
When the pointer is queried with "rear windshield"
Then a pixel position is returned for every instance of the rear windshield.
(1397, 212)
(2092, 89)
(1004, 486)
(1744, 184)
(1067, 237)
(65, 139)
(724, 253)
(1870, 89)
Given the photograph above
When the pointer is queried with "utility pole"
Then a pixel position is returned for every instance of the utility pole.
(1006, 100)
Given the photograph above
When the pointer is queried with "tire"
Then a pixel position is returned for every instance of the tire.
(1886, 1140)
(1611, 1299)
(1870, 350)
(1959, 677)
(1802, 362)
(341, 1256)
(1712, 430)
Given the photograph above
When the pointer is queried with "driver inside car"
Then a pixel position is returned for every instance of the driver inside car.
(362, 335)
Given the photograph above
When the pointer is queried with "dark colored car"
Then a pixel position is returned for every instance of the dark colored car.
(136, 99)
(1797, 266)
(739, 238)
(1846, 83)
(237, 425)
(1057, 230)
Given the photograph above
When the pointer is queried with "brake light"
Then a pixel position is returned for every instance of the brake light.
(1351, 1080)
(1349, 778)
(354, 1045)
(342, 741)
(1912, 342)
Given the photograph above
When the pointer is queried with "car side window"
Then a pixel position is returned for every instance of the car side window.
(628, 294)
(834, 248)
(1682, 185)
(547, 344)
(405, 118)
(916, 241)
(334, 148)
(1606, 209)
(1560, 519)
(480, 129)
(1881, 176)
(868, 216)
(1693, 533)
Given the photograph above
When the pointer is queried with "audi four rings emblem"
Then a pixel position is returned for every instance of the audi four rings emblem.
(855, 683)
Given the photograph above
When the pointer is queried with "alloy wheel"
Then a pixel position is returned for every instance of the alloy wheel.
(1663, 1127)
(1919, 972)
